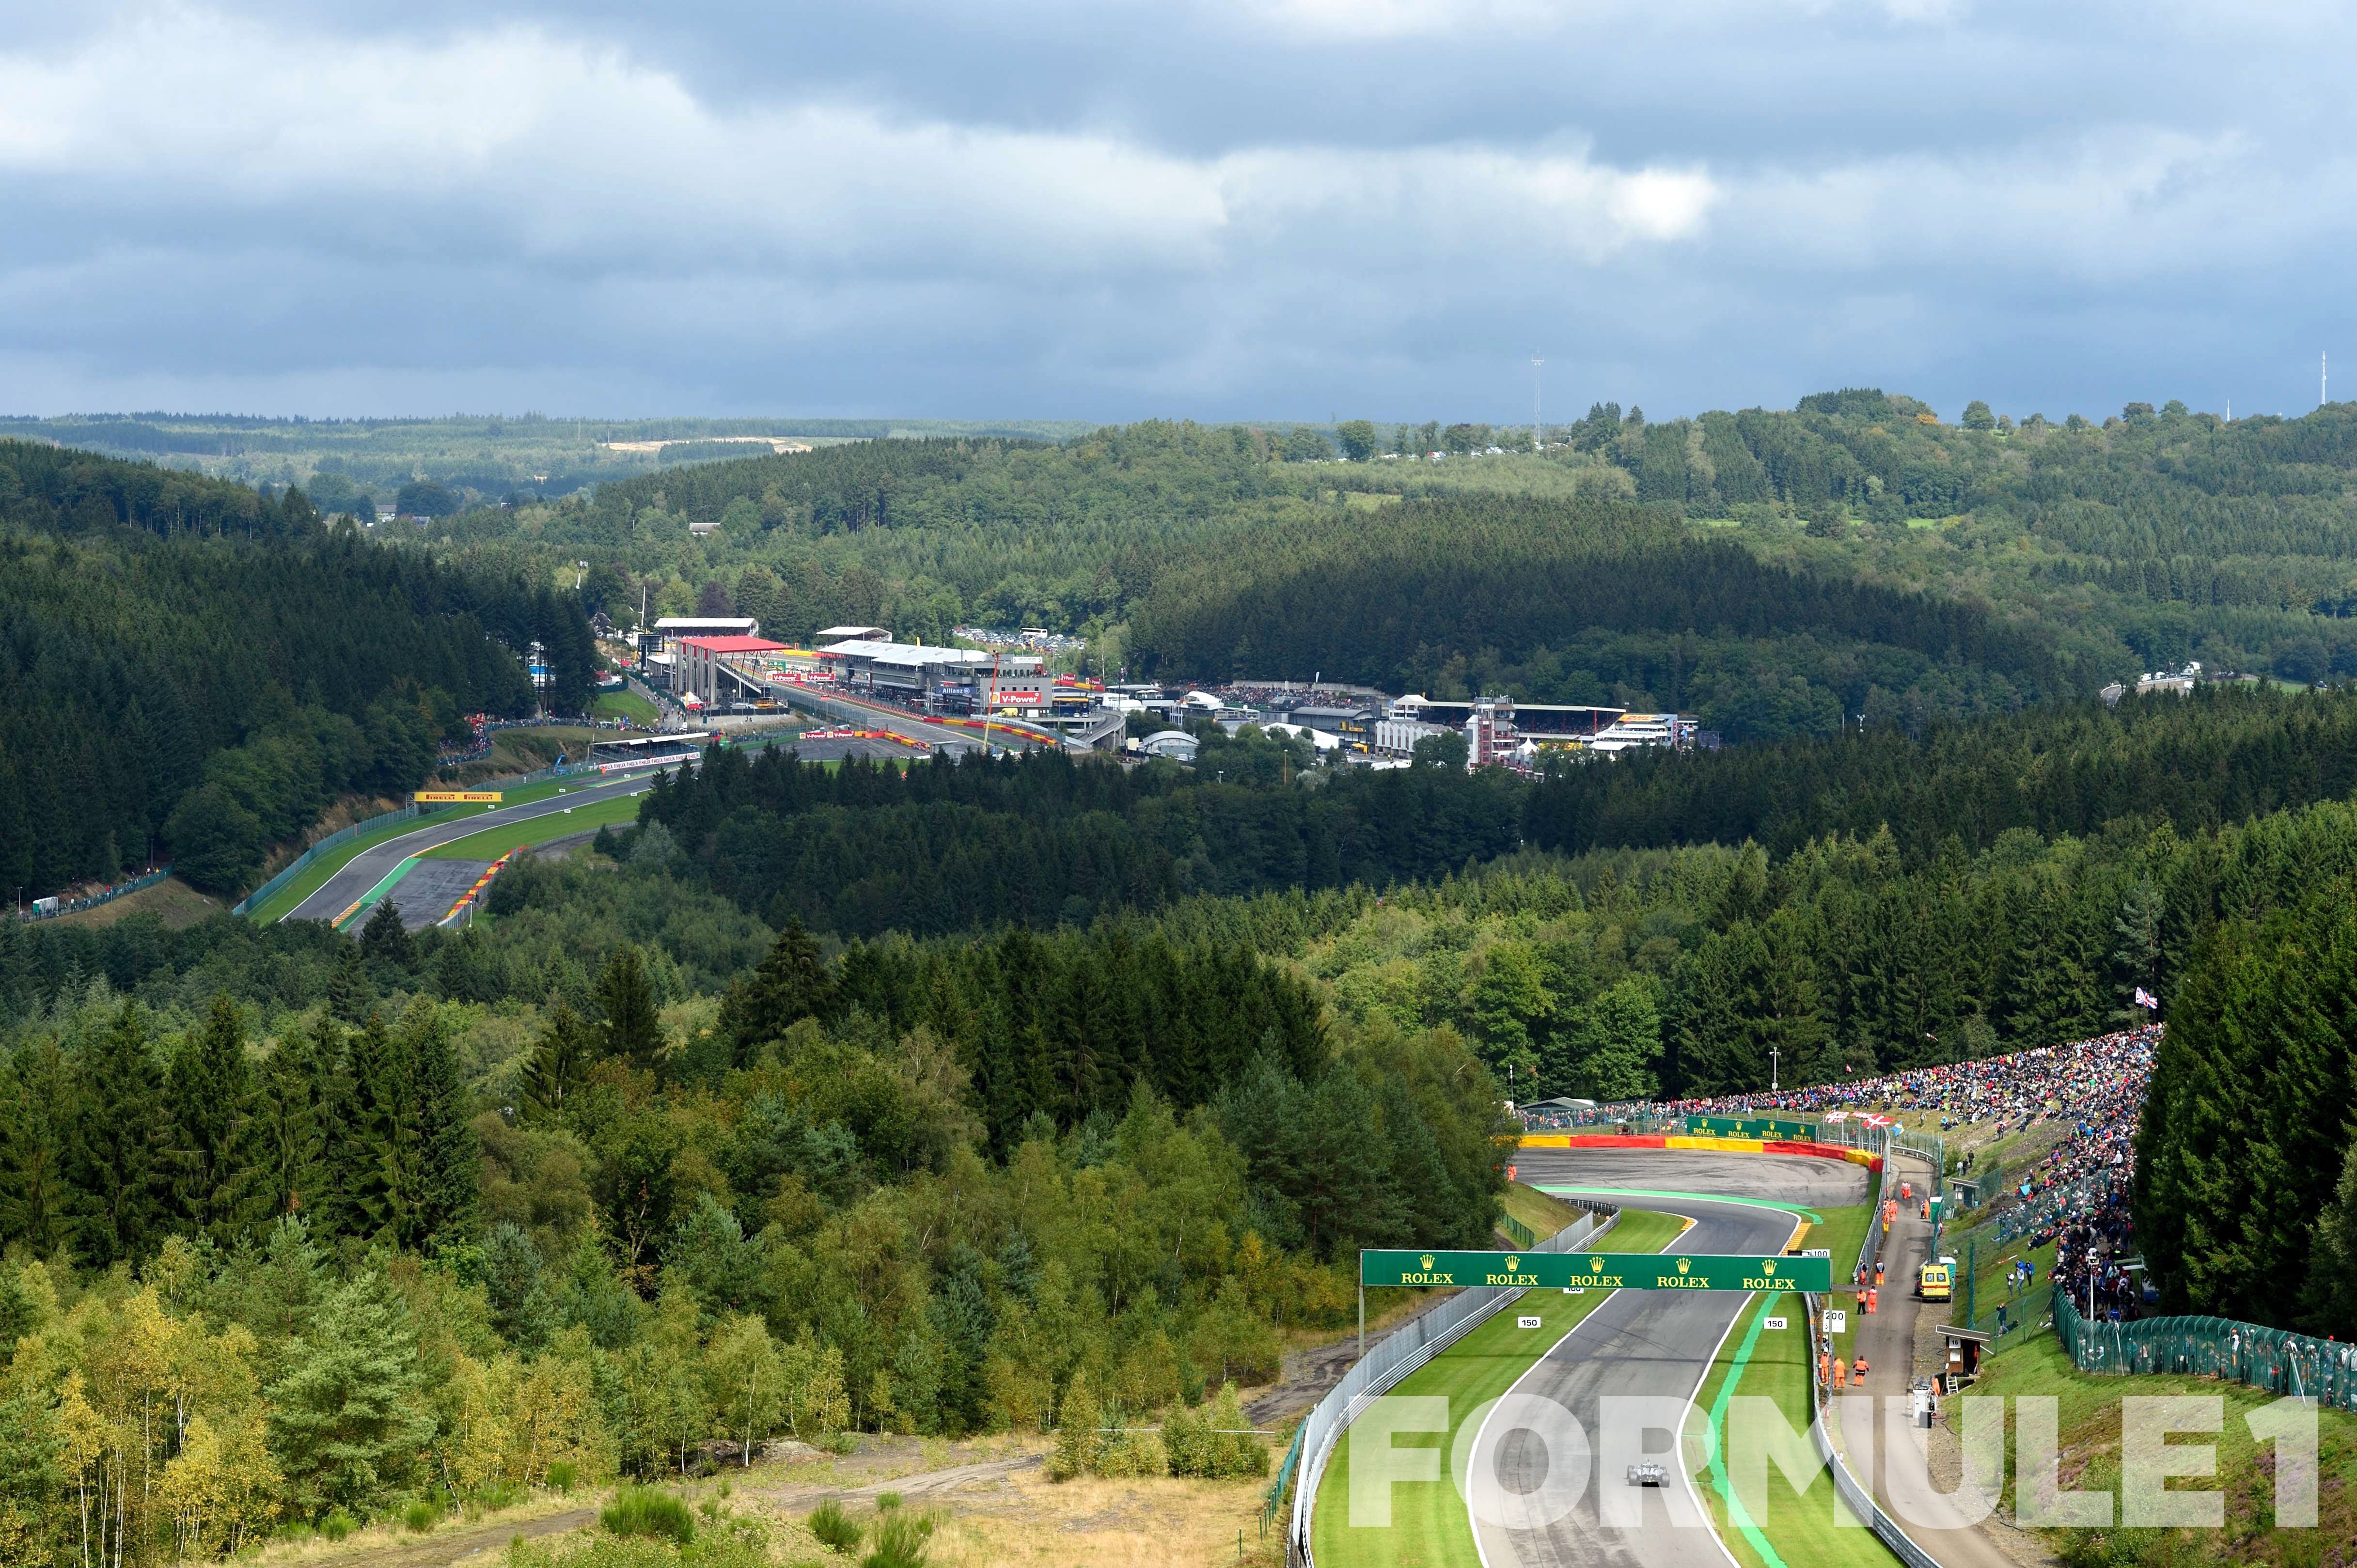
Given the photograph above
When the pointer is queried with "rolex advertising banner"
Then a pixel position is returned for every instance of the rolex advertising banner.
(1598, 1270)
(1749, 1127)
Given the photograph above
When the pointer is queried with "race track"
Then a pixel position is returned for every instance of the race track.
(1650, 1343)
(372, 865)
(425, 895)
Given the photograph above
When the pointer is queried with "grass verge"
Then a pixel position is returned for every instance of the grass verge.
(493, 843)
(2090, 1419)
(1799, 1528)
(316, 876)
(1429, 1525)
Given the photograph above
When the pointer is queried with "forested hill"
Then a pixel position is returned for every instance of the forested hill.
(947, 847)
(1903, 567)
(1581, 599)
(192, 670)
(2219, 757)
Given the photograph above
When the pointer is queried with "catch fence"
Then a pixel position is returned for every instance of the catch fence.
(294, 868)
(70, 906)
(2274, 1359)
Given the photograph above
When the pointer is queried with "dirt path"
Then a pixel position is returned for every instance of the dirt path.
(779, 1488)
(480, 1544)
(1308, 1374)
(927, 1483)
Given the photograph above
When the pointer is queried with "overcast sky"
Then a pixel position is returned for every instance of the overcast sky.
(1223, 208)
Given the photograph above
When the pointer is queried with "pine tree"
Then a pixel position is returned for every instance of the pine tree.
(380, 1168)
(559, 1063)
(292, 1109)
(120, 1130)
(448, 1156)
(341, 1419)
(626, 1000)
(791, 983)
(387, 940)
(1078, 1443)
(36, 1129)
(2330, 1295)
(210, 1088)
(349, 994)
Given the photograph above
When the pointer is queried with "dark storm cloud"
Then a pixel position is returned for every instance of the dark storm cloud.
(1297, 208)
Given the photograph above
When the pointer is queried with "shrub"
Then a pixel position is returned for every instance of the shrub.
(648, 1510)
(1211, 1443)
(1187, 1439)
(901, 1541)
(1077, 1438)
(1131, 1453)
(887, 1501)
(338, 1525)
(420, 1515)
(836, 1530)
(563, 1473)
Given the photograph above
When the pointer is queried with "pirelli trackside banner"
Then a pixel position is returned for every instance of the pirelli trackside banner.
(1598, 1270)
(445, 797)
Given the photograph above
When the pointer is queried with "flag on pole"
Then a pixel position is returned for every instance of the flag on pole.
(2145, 998)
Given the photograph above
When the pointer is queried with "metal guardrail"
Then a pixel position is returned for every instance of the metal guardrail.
(1869, 1252)
(1393, 1358)
(1520, 1234)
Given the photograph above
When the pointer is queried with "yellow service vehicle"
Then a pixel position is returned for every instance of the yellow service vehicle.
(1935, 1281)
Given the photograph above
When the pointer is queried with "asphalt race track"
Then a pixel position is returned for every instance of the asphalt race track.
(837, 748)
(1650, 1343)
(370, 865)
(425, 895)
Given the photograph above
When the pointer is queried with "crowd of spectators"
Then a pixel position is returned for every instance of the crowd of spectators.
(2098, 1082)
(2075, 1196)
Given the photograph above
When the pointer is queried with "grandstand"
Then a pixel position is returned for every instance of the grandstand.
(645, 751)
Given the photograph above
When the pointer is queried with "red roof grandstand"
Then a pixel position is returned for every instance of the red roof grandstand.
(733, 644)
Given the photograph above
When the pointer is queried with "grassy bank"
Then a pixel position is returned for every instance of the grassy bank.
(1542, 1213)
(625, 705)
(2090, 1415)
